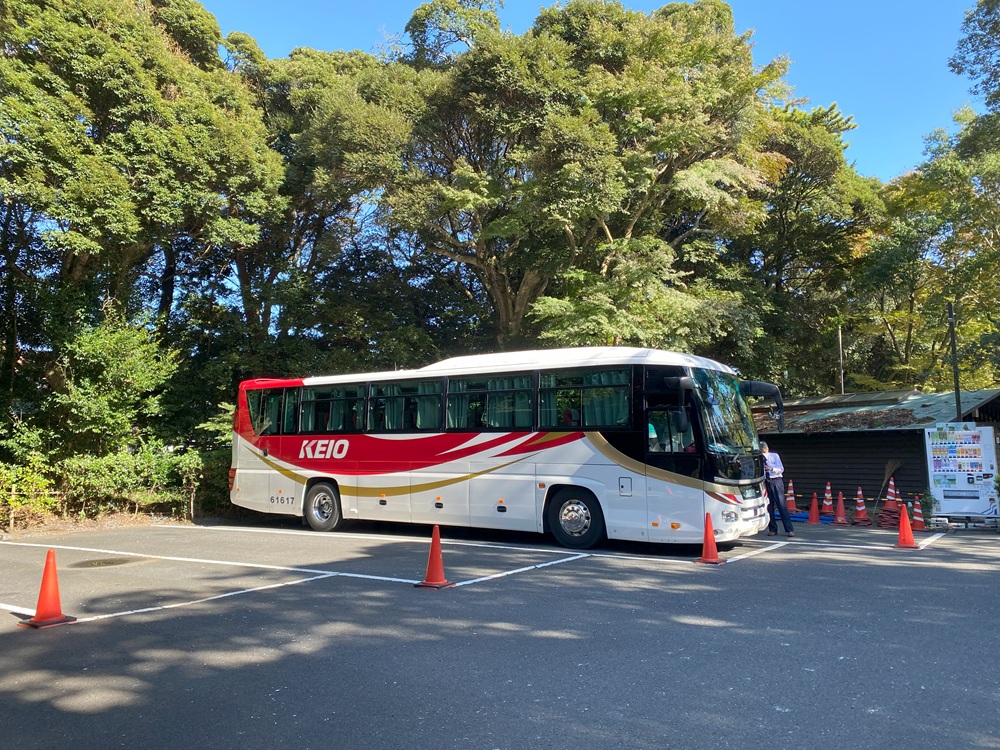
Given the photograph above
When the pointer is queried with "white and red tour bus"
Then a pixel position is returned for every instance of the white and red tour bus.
(583, 443)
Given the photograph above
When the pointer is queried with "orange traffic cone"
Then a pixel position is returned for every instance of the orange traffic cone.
(435, 566)
(709, 552)
(814, 510)
(827, 502)
(890, 496)
(905, 532)
(841, 517)
(918, 515)
(48, 612)
(790, 498)
(860, 512)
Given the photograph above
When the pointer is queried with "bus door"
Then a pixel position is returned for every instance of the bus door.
(674, 496)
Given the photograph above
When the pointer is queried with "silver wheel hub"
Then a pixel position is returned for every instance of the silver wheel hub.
(323, 507)
(574, 518)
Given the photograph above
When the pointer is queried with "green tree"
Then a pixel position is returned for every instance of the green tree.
(110, 379)
(894, 283)
(797, 262)
(978, 52)
(339, 121)
(126, 149)
(557, 149)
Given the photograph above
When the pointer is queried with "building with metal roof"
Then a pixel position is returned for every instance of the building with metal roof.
(862, 439)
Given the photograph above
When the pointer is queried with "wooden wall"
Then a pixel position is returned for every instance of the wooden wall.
(849, 460)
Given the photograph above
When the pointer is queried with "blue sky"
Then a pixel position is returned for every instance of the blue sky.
(883, 61)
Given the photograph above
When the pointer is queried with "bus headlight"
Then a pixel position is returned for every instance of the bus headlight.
(730, 516)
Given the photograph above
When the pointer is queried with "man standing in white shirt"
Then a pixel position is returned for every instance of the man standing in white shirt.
(773, 473)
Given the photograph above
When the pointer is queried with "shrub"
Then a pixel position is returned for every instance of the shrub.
(150, 478)
(24, 492)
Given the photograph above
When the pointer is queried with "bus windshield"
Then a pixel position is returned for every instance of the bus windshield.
(729, 425)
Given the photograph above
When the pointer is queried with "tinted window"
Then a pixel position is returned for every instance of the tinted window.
(408, 405)
(592, 399)
(490, 403)
(332, 408)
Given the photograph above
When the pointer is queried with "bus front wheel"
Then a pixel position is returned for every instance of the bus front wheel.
(322, 507)
(575, 518)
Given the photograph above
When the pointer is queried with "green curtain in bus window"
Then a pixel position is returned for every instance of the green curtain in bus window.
(339, 415)
(522, 400)
(307, 418)
(429, 406)
(314, 410)
(354, 414)
(376, 413)
(385, 410)
(509, 402)
(500, 410)
(608, 405)
(466, 404)
(458, 405)
(548, 415)
(349, 411)
(499, 405)
(393, 407)
(458, 411)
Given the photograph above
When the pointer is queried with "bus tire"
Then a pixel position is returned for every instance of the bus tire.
(575, 518)
(322, 507)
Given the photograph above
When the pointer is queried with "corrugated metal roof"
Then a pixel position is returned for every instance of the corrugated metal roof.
(883, 410)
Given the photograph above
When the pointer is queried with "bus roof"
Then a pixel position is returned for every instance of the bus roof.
(586, 356)
(534, 359)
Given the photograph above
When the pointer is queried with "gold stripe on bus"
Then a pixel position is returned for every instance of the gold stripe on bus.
(425, 487)
(546, 437)
(288, 473)
(613, 454)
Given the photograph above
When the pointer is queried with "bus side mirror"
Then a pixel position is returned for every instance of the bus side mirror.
(766, 390)
(680, 383)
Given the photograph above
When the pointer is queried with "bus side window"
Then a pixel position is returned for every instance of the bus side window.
(267, 419)
(290, 425)
(410, 414)
(681, 440)
(665, 433)
(322, 416)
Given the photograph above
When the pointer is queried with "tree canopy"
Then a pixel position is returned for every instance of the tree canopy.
(179, 211)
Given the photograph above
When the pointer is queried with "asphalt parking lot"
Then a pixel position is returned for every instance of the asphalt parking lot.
(265, 635)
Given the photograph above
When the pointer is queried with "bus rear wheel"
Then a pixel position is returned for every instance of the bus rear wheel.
(322, 507)
(575, 518)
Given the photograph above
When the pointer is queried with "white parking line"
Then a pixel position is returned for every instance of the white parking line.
(369, 537)
(931, 540)
(761, 551)
(523, 570)
(17, 610)
(230, 563)
(201, 601)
